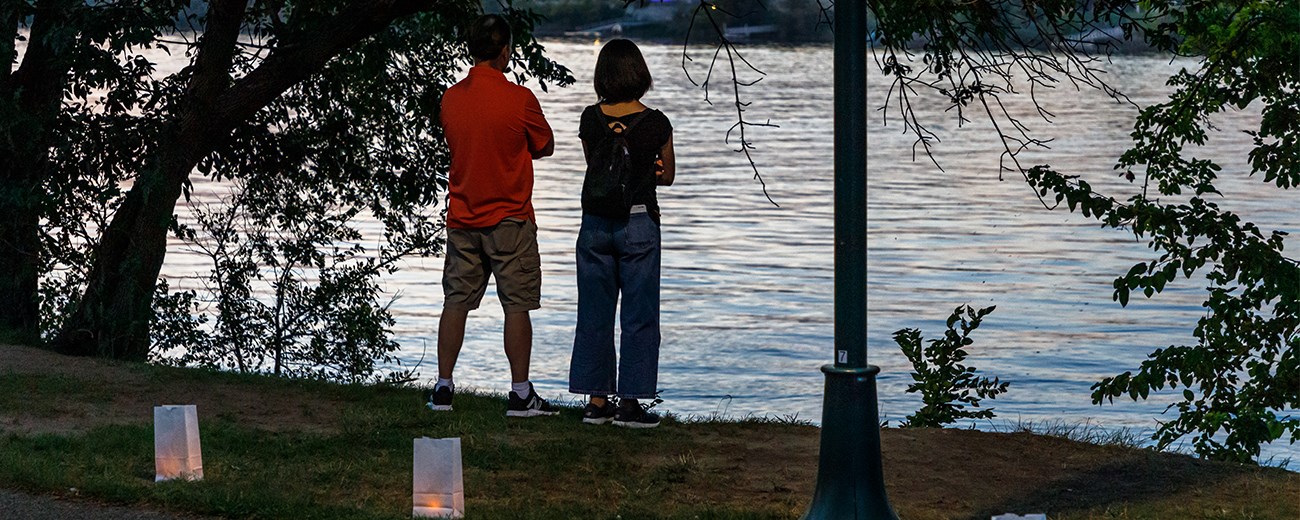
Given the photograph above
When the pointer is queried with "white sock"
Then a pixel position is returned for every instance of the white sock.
(445, 382)
(520, 389)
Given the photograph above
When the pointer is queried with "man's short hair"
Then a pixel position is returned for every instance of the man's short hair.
(621, 72)
(488, 35)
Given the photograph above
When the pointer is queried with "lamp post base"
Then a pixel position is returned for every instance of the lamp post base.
(850, 479)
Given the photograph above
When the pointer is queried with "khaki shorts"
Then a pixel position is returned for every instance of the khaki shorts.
(508, 251)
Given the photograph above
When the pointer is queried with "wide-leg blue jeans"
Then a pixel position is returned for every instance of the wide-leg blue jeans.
(617, 256)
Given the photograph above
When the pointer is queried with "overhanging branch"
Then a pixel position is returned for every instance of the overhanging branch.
(733, 55)
(309, 50)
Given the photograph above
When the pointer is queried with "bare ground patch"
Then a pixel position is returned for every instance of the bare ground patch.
(103, 392)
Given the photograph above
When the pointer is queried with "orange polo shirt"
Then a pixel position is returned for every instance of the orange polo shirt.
(493, 128)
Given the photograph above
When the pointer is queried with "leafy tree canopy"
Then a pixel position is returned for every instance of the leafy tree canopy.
(1241, 378)
(295, 103)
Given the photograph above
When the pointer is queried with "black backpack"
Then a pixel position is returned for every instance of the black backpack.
(604, 190)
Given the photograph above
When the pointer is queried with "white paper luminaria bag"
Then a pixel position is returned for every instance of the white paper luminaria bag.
(176, 443)
(439, 483)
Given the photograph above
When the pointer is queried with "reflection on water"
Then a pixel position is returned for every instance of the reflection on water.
(748, 287)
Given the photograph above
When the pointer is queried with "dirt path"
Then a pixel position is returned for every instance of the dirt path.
(20, 506)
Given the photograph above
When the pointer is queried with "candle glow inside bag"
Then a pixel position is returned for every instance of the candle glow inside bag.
(177, 453)
(439, 482)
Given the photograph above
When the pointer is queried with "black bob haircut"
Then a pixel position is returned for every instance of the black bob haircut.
(488, 35)
(621, 73)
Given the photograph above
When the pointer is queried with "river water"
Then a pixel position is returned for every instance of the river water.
(748, 287)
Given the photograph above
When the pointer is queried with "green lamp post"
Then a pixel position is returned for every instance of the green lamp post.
(850, 479)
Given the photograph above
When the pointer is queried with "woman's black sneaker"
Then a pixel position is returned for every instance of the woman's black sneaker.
(636, 416)
(439, 399)
(592, 414)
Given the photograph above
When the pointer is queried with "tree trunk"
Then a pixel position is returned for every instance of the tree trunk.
(19, 261)
(29, 104)
(113, 317)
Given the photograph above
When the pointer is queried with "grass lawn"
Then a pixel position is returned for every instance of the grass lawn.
(286, 449)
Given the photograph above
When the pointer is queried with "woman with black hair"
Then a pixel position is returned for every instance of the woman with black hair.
(629, 151)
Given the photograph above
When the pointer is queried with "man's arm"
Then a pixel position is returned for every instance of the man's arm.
(541, 141)
(547, 150)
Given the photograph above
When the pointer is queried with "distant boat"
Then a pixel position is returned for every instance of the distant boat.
(744, 32)
(612, 27)
(1097, 39)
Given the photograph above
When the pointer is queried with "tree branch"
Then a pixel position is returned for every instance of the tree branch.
(216, 52)
(733, 55)
(309, 50)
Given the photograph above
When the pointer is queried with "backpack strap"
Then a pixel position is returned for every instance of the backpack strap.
(625, 127)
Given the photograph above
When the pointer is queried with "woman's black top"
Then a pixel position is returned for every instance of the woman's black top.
(644, 141)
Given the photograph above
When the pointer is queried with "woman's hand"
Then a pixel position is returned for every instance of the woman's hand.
(666, 164)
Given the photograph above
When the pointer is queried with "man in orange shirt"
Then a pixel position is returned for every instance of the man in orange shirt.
(495, 129)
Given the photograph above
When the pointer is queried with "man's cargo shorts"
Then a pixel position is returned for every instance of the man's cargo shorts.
(508, 251)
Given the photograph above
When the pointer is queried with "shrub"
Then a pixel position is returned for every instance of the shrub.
(947, 386)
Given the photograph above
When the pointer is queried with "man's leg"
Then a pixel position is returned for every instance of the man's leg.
(451, 336)
(464, 280)
(516, 264)
(522, 400)
(519, 344)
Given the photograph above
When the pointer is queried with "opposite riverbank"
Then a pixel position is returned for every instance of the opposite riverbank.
(295, 449)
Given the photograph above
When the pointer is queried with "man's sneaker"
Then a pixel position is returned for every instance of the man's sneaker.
(637, 416)
(531, 406)
(592, 414)
(439, 399)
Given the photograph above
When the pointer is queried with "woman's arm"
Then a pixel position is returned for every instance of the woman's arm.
(666, 166)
